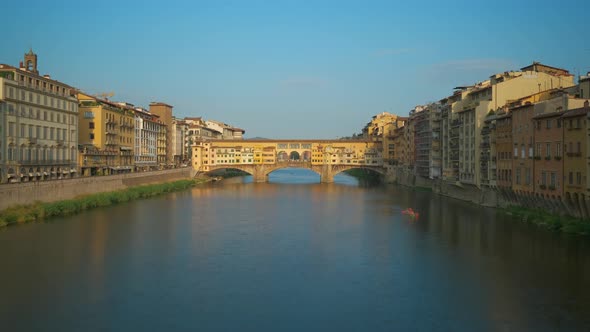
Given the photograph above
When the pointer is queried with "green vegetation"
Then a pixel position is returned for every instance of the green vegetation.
(364, 175)
(229, 173)
(39, 211)
(565, 224)
(422, 189)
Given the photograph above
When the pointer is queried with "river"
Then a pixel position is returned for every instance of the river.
(292, 255)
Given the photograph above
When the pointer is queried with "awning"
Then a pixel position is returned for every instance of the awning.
(65, 172)
(10, 175)
(31, 174)
(72, 171)
(45, 173)
(53, 172)
(38, 174)
(22, 175)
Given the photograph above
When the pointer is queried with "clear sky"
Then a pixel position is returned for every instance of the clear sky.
(291, 69)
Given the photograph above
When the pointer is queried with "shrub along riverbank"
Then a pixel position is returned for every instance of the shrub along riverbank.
(39, 211)
(364, 175)
(565, 224)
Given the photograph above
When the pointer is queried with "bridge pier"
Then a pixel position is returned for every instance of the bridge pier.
(259, 174)
(326, 175)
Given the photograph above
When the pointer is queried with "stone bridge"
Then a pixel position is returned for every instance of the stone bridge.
(262, 157)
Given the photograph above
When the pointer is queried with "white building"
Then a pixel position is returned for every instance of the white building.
(38, 125)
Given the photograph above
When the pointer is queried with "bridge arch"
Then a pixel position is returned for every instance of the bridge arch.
(244, 168)
(294, 155)
(341, 168)
(282, 156)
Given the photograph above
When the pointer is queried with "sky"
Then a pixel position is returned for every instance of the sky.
(291, 69)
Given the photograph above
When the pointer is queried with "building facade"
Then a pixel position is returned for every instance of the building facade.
(106, 136)
(164, 111)
(38, 125)
(575, 142)
(147, 131)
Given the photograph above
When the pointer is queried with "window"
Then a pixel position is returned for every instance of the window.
(558, 149)
(548, 150)
(90, 125)
(578, 178)
(538, 149)
(579, 147)
(549, 124)
(522, 151)
(91, 135)
(518, 176)
(527, 176)
(553, 184)
(578, 123)
(543, 178)
(558, 123)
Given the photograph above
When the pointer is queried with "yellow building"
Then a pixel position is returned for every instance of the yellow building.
(391, 146)
(208, 153)
(164, 111)
(376, 127)
(491, 95)
(106, 136)
(38, 125)
(584, 86)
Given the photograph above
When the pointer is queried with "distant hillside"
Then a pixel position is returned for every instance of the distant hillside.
(257, 138)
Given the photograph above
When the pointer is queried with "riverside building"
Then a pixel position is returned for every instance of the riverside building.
(38, 125)
(148, 130)
(106, 136)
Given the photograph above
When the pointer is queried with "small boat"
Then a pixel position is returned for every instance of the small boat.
(413, 214)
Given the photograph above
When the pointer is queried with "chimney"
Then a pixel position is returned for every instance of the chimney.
(20, 65)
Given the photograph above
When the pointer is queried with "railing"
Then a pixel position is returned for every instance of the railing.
(42, 162)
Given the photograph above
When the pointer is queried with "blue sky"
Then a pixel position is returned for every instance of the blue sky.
(291, 69)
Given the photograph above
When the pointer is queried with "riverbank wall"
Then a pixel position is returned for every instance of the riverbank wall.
(58, 190)
(575, 206)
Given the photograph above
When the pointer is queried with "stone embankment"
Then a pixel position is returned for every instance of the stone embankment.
(58, 190)
(570, 209)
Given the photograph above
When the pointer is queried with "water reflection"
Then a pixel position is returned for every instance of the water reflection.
(237, 255)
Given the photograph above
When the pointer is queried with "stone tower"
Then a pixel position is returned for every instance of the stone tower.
(31, 62)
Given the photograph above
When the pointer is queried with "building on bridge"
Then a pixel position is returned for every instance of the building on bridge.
(261, 157)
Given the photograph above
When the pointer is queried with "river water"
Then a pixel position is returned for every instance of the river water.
(292, 255)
